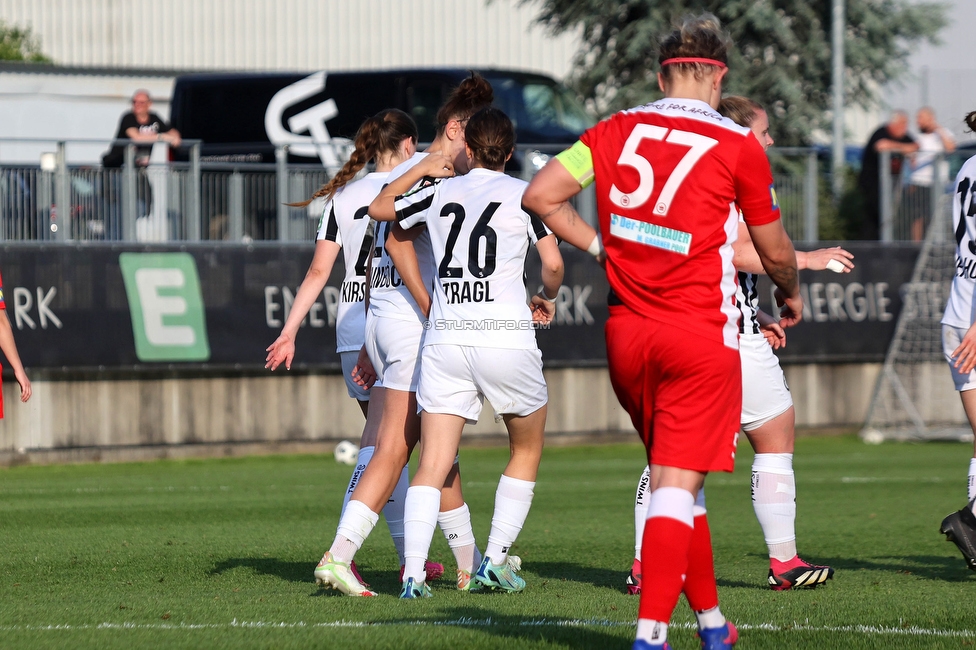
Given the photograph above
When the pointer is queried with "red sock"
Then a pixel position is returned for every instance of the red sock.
(700, 588)
(664, 562)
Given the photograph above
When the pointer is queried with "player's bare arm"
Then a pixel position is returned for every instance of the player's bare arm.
(9, 349)
(283, 349)
(746, 259)
(400, 247)
(543, 304)
(434, 165)
(547, 196)
(779, 261)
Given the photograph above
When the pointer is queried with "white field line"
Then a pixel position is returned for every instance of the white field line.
(866, 630)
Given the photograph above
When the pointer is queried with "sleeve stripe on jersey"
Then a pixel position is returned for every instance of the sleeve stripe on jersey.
(332, 230)
(538, 227)
(406, 209)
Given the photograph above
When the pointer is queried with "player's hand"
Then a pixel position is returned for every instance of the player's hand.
(25, 385)
(281, 351)
(964, 356)
(437, 165)
(791, 311)
(775, 335)
(543, 311)
(771, 329)
(363, 372)
(820, 260)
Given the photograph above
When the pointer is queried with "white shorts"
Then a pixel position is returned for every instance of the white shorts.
(394, 346)
(951, 338)
(356, 391)
(454, 379)
(765, 394)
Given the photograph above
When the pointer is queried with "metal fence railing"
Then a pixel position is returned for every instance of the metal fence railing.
(234, 202)
(907, 205)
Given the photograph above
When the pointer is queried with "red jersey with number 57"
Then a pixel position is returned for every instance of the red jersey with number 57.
(666, 175)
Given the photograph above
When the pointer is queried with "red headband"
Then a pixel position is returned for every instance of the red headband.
(692, 59)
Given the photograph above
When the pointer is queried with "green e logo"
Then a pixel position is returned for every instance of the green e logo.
(166, 305)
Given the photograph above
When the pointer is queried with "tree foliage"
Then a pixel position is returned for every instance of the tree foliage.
(18, 44)
(782, 56)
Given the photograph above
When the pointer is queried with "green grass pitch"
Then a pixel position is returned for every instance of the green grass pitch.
(219, 554)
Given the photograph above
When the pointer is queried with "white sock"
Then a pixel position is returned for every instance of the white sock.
(393, 512)
(972, 479)
(419, 521)
(774, 500)
(654, 632)
(710, 618)
(356, 524)
(640, 509)
(513, 498)
(364, 455)
(456, 526)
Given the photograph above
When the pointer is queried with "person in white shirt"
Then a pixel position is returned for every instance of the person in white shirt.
(481, 341)
(929, 171)
(959, 339)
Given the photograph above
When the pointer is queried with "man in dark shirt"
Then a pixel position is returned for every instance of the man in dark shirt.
(143, 126)
(892, 137)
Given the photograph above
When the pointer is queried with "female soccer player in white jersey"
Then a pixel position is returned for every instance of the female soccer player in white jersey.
(388, 139)
(768, 417)
(398, 305)
(666, 175)
(482, 340)
(959, 339)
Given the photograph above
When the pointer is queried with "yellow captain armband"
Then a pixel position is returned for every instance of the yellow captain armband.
(578, 161)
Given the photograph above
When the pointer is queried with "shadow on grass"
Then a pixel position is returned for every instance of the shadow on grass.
(738, 584)
(557, 631)
(271, 566)
(596, 576)
(930, 567)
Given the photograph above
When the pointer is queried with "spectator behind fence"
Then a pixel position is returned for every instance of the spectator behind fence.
(892, 137)
(144, 127)
(927, 171)
(140, 125)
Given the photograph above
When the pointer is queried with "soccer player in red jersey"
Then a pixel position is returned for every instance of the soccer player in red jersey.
(666, 175)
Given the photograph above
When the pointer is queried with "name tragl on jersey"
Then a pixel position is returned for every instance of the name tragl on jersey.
(479, 235)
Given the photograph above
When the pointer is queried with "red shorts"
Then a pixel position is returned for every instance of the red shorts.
(683, 394)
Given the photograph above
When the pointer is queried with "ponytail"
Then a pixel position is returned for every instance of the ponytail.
(379, 134)
(970, 121)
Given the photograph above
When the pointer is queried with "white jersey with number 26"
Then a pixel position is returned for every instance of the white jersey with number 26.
(479, 235)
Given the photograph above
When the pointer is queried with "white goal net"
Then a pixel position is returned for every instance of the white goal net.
(914, 398)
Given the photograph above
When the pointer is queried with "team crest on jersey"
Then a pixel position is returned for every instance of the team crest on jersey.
(773, 198)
